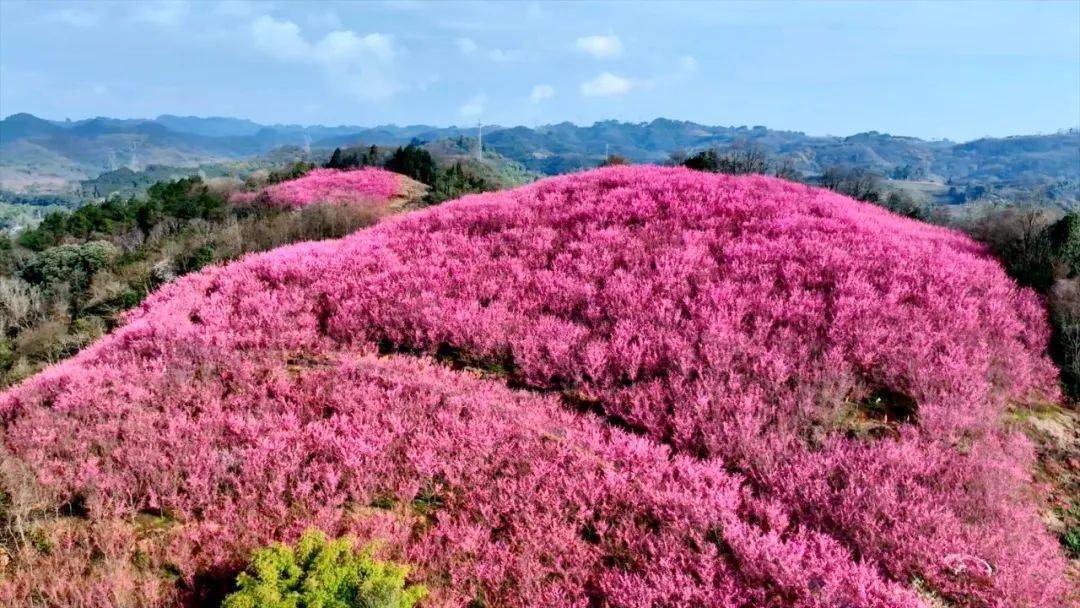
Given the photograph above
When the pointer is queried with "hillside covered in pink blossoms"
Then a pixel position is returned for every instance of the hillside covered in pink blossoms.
(628, 387)
(369, 185)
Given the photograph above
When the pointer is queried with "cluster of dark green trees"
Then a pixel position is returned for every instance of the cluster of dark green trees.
(743, 160)
(293, 171)
(352, 158)
(415, 162)
(444, 182)
(183, 199)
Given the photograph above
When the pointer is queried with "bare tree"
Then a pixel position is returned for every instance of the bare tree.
(859, 184)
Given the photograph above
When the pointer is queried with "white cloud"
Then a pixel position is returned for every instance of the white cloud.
(164, 12)
(280, 39)
(601, 47)
(467, 46)
(346, 46)
(359, 64)
(474, 107)
(541, 92)
(605, 85)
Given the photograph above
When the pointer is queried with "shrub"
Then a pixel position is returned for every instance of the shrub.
(21, 304)
(901, 203)
(706, 160)
(7, 355)
(1063, 238)
(327, 222)
(70, 267)
(456, 181)
(1071, 537)
(201, 256)
(294, 171)
(266, 230)
(185, 199)
(1017, 236)
(1064, 304)
(321, 574)
(615, 160)
(785, 169)
(67, 560)
(9, 258)
(37, 239)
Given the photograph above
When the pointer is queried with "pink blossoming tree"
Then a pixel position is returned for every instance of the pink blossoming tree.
(368, 185)
(628, 387)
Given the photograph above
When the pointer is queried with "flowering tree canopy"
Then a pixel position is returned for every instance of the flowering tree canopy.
(332, 186)
(634, 386)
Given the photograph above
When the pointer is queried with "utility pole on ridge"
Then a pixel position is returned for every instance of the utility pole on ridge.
(479, 141)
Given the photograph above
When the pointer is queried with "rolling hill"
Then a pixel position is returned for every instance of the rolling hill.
(635, 386)
(38, 155)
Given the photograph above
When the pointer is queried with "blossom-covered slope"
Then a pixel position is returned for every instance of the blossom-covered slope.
(626, 387)
(368, 185)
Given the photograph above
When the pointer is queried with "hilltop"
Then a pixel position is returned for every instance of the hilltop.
(634, 386)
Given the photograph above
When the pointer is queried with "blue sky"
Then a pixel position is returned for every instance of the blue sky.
(958, 70)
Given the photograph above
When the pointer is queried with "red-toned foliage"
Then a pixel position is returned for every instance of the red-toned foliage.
(793, 399)
(367, 185)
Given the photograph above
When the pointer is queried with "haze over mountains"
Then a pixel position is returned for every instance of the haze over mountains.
(45, 156)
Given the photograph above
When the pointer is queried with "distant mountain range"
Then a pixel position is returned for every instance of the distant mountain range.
(38, 155)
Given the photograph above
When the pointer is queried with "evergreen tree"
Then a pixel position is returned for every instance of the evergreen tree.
(415, 162)
(335, 160)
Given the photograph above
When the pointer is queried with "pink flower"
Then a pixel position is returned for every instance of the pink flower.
(727, 391)
(332, 186)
